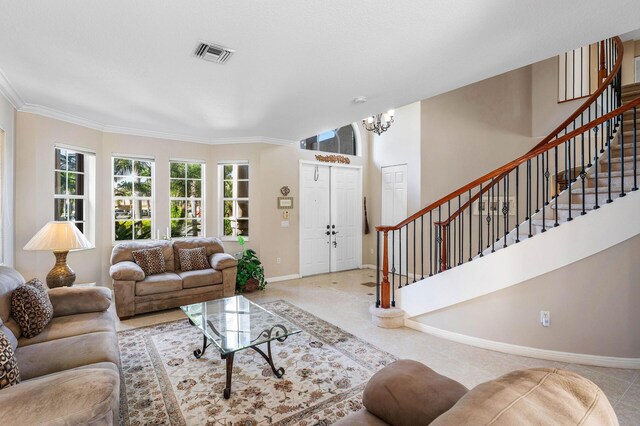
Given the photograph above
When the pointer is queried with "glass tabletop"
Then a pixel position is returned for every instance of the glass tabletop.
(236, 323)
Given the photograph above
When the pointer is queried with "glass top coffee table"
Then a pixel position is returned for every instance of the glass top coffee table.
(235, 323)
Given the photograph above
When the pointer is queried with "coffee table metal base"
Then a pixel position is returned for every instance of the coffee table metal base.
(278, 372)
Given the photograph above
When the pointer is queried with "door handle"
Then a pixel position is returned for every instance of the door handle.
(334, 232)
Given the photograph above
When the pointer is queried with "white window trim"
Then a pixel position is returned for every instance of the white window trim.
(221, 199)
(133, 198)
(203, 194)
(88, 197)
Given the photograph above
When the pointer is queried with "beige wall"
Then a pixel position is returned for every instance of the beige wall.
(271, 167)
(592, 304)
(7, 125)
(473, 130)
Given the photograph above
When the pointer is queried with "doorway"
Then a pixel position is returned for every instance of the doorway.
(394, 207)
(330, 218)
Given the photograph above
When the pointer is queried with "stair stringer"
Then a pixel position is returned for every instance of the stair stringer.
(570, 242)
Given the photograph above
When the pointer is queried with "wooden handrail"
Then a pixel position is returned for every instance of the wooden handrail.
(554, 134)
(515, 163)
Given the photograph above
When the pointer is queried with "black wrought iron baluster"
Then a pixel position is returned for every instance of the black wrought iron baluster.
(505, 209)
(414, 251)
(635, 158)
(399, 256)
(497, 219)
(589, 141)
(490, 218)
(439, 246)
(567, 151)
(406, 256)
(470, 226)
(621, 141)
(529, 201)
(480, 216)
(595, 167)
(518, 203)
(545, 181)
(555, 149)
(583, 173)
(431, 243)
(422, 247)
(393, 260)
(538, 183)
(609, 162)
(461, 235)
(377, 269)
(448, 262)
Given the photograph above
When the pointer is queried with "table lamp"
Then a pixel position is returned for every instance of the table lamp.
(59, 237)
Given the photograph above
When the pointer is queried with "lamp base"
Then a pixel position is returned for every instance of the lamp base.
(61, 275)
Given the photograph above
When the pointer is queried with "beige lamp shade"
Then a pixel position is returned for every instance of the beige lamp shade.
(59, 236)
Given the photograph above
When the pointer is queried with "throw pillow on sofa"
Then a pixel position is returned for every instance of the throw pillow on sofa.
(193, 259)
(31, 307)
(9, 374)
(150, 260)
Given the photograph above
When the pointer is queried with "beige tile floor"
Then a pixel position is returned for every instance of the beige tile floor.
(341, 299)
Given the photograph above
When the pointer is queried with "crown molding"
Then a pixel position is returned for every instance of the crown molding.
(81, 121)
(8, 91)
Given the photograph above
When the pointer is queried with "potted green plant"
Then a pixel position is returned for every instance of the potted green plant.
(250, 270)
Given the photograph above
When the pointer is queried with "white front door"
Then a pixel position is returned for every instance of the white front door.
(394, 207)
(330, 219)
(346, 219)
(314, 219)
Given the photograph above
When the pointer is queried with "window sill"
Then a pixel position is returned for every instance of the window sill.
(233, 239)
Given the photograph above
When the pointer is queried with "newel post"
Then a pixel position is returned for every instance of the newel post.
(602, 71)
(385, 286)
(443, 253)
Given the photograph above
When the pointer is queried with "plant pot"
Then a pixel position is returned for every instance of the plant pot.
(251, 285)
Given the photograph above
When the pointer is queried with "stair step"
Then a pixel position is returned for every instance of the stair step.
(590, 198)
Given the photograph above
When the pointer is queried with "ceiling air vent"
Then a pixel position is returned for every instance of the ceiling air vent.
(213, 52)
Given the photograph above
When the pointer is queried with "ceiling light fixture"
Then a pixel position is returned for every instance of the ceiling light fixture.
(378, 123)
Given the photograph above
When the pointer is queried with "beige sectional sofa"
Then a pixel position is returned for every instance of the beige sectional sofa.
(70, 371)
(137, 293)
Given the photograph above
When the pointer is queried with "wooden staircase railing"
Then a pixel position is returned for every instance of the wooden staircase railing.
(456, 223)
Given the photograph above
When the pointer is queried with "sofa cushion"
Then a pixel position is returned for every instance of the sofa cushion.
(9, 374)
(123, 251)
(159, 283)
(200, 278)
(151, 260)
(126, 271)
(88, 397)
(541, 396)
(31, 307)
(79, 300)
(222, 261)
(193, 259)
(72, 325)
(211, 246)
(67, 353)
(10, 279)
(408, 393)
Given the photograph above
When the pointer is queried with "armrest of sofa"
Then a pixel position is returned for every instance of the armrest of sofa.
(126, 271)
(73, 397)
(79, 300)
(222, 261)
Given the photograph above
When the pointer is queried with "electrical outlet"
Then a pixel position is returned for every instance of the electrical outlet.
(278, 260)
(371, 251)
(545, 318)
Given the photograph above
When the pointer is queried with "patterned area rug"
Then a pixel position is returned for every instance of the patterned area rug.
(326, 370)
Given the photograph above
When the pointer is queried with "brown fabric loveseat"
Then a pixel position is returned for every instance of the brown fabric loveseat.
(137, 293)
(407, 393)
(69, 372)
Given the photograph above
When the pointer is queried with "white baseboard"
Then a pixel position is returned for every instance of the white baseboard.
(283, 278)
(597, 360)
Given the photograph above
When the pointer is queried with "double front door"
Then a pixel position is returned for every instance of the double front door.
(330, 218)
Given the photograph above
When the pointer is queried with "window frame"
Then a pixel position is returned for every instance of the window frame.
(85, 197)
(186, 199)
(356, 141)
(152, 200)
(235, 198)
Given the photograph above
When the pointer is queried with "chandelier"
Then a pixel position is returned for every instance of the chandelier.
(378, 123)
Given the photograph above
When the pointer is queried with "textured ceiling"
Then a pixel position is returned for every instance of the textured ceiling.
(298, 64)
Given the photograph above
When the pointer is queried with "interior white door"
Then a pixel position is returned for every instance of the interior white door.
(346, 219)
(314, 219)
(394, 206)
